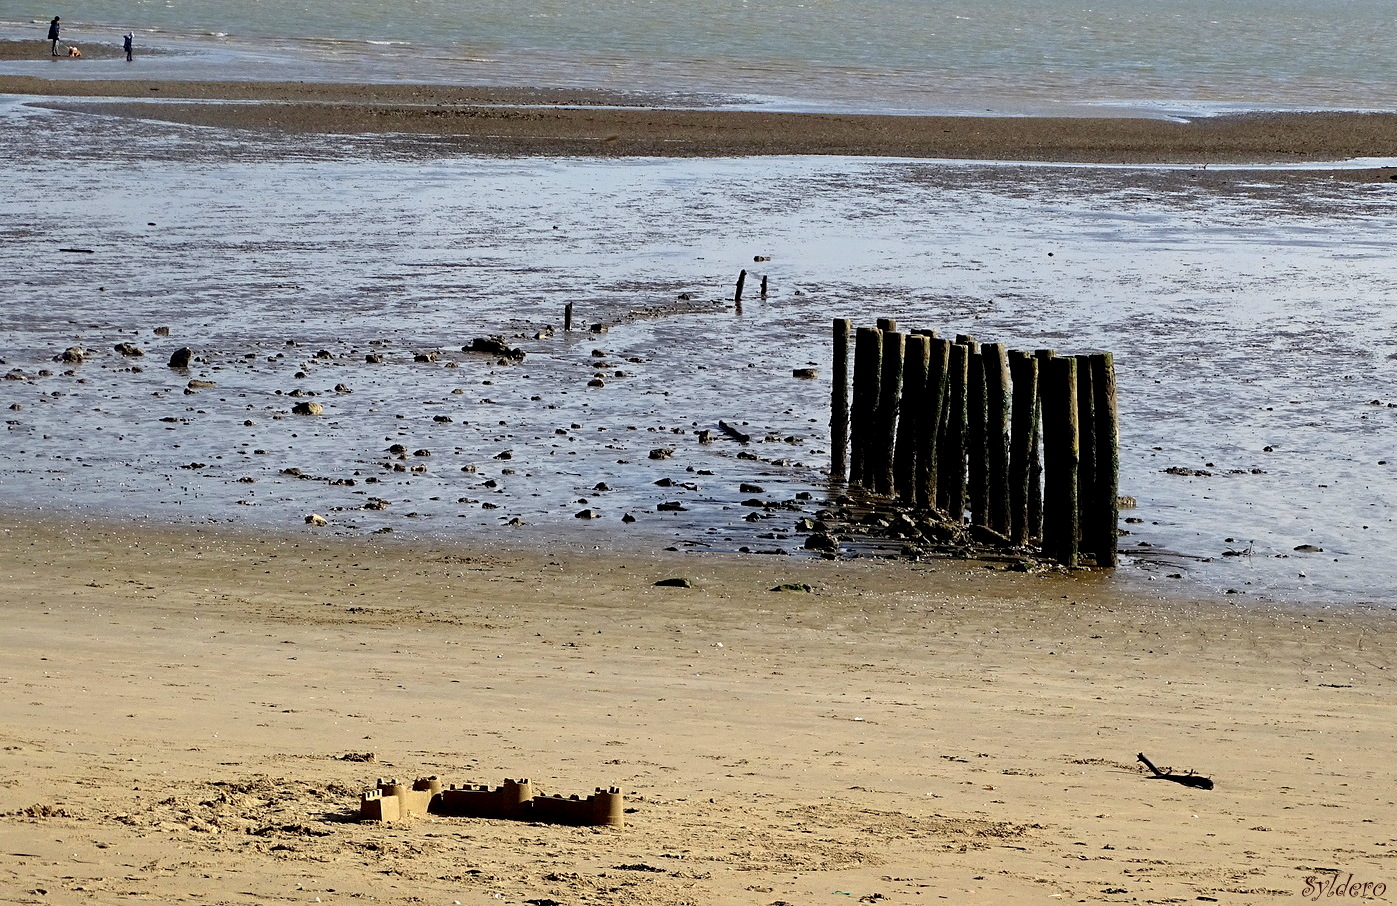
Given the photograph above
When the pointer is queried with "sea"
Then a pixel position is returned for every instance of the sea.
(914, 56)
(1252, 319)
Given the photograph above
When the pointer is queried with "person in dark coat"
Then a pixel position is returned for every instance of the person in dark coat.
(126, 41)
(53, 36)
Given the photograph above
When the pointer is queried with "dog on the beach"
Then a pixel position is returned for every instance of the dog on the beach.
(73, 51)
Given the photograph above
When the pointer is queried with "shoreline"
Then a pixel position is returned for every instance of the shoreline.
(559, 122)
(195, 711)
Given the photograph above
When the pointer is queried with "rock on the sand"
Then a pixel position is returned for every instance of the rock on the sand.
(307, 409)
(181, 357)
(316, 519)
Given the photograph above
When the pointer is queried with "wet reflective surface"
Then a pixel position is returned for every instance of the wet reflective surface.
(1250, 318)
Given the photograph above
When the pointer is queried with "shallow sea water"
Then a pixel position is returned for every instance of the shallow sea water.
(895, 55)
(1242, 319)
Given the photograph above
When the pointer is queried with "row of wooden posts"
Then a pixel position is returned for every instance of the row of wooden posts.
(1026, 444)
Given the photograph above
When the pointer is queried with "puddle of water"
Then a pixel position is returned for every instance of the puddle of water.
(1242, 316)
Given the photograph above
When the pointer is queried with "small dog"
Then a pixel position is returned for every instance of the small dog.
(74, 52)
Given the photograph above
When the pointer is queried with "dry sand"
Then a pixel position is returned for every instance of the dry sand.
(520, 121)
(177, 705)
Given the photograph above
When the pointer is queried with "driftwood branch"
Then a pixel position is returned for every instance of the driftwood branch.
(1189, 779)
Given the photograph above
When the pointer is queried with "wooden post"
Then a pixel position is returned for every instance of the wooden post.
(1035, 464)
(839, 402)
(909, 417)
(868, 376)
(1086, 444)
(741, 280)
(1060, 458)
(763, 286)
(995, 359)
(1022, 446)
(567, 317)
(889, 397)
(887, 324)
(950, 490)
(929, 422)
(1104, 540)
(975, 437)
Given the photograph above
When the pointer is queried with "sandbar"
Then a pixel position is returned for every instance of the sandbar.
(534, 121)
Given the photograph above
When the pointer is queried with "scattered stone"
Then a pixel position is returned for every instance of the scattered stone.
(662, 453)
(73, 355)
(505, 454)
(596, 382)
(425, 357)
(628, 518)
(324, 354)
(675, 583)
(821, 542)
(422, 452)
(587, 514)
(746, 488)
(197, 384)
(342, 388)
(316, 519)
(495, 346)
(671, 506)
(307, 409)
(794, 586)
(181, 357)
(805, 374)
(1309, 549)
(1192, 473)
(129, 350)
(162, 331)
(601, 486)
(373, 358)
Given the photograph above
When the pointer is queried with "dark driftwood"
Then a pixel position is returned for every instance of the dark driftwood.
(1189, 779)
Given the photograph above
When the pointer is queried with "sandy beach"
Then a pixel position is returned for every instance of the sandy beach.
(184, 711)
(594, 123)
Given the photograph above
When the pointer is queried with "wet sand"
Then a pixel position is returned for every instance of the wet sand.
(565, 122)
(179, 707)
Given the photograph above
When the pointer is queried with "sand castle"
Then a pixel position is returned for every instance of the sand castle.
(514, 800)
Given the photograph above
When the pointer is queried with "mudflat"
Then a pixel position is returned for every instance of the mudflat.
(190, 714)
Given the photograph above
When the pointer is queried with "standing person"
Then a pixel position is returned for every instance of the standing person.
(126, 42)
(53, 36)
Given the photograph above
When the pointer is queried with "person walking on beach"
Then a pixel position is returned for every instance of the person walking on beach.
(53, 36)
(126, 41)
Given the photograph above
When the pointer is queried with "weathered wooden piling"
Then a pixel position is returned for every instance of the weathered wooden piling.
(1035, 465)
(567, 317)
(763, 286)
(977, 485)
(1024, 446)
(1086, 444)
(950, 489)
(1104, 539)
(741, 281)
(910, 414)
(1023, 368)
(995, 360)
(839, 401)
(929, 422)
(868, 371)
(1061, 454)
(889, 398)
(887, 324)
